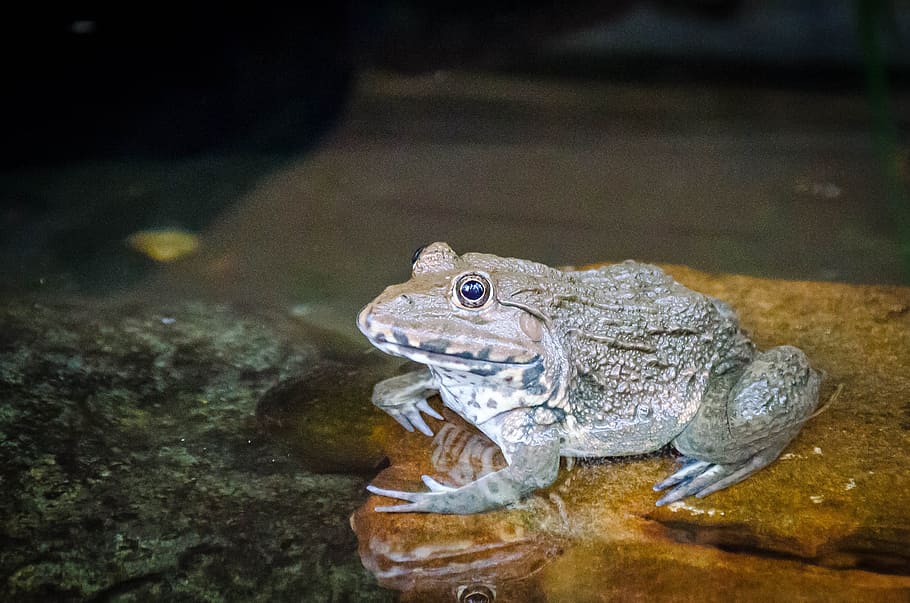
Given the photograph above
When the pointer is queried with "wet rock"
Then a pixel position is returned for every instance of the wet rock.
(326, 418)
(133, 466)
(828, 519)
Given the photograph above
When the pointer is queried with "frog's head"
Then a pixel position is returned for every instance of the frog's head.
(466, 313)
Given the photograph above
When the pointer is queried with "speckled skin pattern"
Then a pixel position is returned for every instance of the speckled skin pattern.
(614, 361)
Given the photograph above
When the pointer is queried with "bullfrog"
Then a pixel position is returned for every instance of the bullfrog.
(549, 363)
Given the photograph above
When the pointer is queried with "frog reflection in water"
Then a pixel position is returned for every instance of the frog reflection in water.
(619, 360)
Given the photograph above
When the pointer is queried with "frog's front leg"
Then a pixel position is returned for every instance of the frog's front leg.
(405, 396)
(533, 462)
(744, 422)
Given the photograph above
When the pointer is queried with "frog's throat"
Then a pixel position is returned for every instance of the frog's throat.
(459, 361)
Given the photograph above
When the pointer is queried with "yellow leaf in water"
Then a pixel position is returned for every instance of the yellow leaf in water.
(164, 245)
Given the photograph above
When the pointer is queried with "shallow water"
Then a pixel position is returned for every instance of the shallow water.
(770, 184)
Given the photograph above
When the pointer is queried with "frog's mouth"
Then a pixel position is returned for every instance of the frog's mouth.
(431, 354)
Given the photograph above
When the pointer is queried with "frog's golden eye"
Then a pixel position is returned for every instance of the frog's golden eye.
(473, 290)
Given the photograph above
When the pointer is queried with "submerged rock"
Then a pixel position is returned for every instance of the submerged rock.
(829, 519)
(133, 466)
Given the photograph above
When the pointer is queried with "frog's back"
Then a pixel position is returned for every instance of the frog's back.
(642, 301)
(643, 347)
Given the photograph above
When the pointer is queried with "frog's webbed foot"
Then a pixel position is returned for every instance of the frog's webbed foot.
(418, 502)
(532, 466)
(404, 397)
(701, 478)
(745, 421)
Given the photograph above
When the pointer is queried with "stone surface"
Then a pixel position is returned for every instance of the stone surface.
(133, 467)
(199, 452)
(827, 521)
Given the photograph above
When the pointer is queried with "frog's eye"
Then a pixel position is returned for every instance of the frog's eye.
(417, 254)
(473, 290)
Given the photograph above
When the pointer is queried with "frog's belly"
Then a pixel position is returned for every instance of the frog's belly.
(618, 436)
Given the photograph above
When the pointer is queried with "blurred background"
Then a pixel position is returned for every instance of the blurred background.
(298, 155)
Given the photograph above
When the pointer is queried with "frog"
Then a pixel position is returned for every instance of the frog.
(547, 363)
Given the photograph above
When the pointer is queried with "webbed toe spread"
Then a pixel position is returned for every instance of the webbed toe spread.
(701, 478)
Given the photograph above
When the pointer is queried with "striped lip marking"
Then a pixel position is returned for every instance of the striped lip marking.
(450, 361)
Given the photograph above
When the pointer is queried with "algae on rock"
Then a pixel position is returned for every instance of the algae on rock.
(133, 465)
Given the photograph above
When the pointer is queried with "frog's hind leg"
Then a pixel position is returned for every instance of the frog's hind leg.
(745, 421)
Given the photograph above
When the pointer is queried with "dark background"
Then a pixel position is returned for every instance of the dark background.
(161, 79)
(757, 137)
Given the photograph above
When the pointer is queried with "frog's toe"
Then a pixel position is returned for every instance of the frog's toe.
(411, 497)
(409, 417)
(425, 407)
(416, 419)
(389, 493)
(402, 420)
(404, 508)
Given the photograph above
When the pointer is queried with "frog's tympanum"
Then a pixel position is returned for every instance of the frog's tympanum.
(614, 361)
